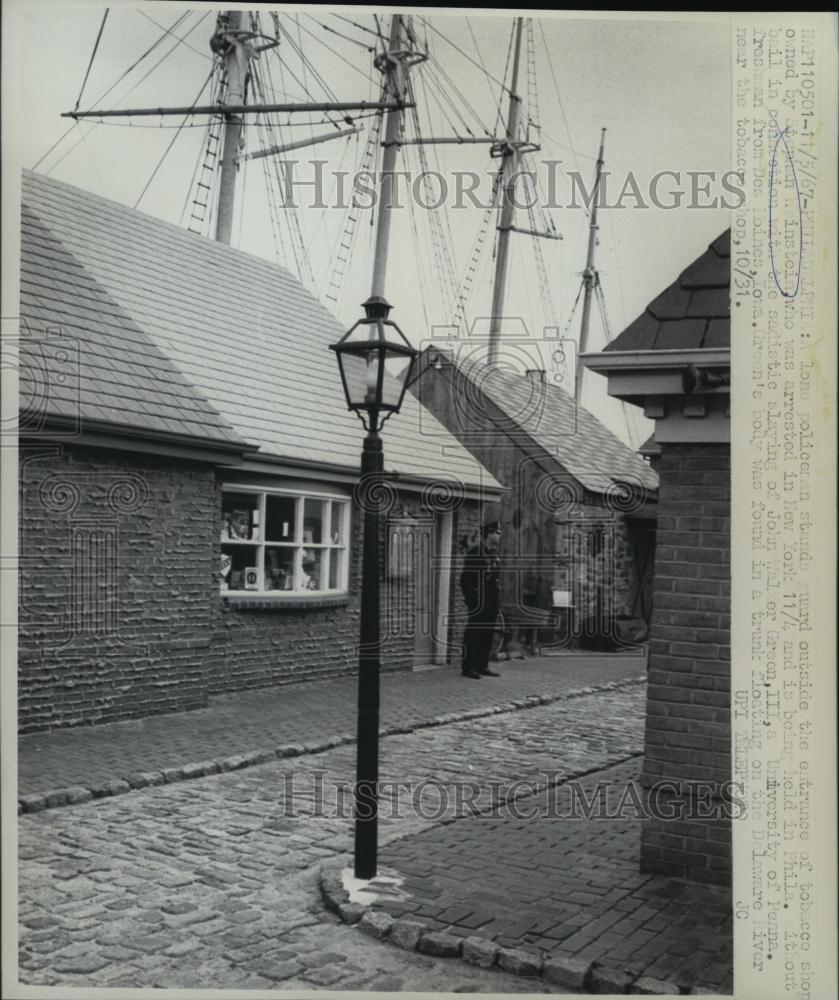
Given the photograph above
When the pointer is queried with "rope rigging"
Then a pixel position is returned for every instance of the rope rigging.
(334, 52)
(532, 116)
(347, 38)
(92, 57)
(441, 242)
(630, 417)
(558, 95)
(499, 113)
(305, 63)
(567, 329)
(343, 249)
(174, 139)
(444, 287)
(380, 32)
(205, 189)
(105, 93)
(468, 278)
(271, 135)
(440, 95)
(300, 46)
(273, 193)
(545, 294)
(169, 31)
(481, 61)
(355, 24)
(449, 85)
(468, 58)
(133, 88)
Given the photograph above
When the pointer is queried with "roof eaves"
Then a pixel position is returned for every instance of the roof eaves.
(333, 468)
(651, 360)
(117, 430)
(519, 436)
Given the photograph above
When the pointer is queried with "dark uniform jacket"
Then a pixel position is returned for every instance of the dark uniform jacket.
(480, 582)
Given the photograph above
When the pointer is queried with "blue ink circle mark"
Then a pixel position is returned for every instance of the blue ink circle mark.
(781, 138)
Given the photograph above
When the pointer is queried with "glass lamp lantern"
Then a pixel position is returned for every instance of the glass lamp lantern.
(363, 354)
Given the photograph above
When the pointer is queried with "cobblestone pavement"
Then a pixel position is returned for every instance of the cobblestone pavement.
(256, 720)
(540, 876)
(212, 882)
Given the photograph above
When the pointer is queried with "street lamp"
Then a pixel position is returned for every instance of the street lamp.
(373, 394)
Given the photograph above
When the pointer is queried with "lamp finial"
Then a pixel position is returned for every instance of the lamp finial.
(377, 307)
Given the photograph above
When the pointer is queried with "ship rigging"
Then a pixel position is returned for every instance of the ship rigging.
(266, 85)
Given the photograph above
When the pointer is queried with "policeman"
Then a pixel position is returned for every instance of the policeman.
(480, 583)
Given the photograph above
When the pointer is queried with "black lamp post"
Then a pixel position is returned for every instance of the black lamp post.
(374, 395)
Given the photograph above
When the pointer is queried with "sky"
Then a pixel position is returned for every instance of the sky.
(660, 86)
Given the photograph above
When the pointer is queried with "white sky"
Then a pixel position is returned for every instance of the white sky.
(661, 87)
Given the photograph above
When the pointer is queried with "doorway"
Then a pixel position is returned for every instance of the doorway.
(419, 575)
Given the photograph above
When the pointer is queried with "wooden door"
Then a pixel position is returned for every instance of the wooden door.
(424, 605)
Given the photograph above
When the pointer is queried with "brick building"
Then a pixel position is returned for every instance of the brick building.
(579, 516)
(187, 473)
(674, 361)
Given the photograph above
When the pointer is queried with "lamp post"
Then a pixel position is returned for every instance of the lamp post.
(373, 395)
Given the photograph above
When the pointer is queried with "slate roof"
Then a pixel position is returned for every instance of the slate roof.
(244, 334)
(549, 417)
(692, 313)
(85, 358)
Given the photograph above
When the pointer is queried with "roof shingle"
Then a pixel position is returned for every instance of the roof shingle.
(552, 420)
(693, 312)
(70, 364)
(249, 340)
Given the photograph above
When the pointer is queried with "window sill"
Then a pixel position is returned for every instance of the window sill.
(269, 602)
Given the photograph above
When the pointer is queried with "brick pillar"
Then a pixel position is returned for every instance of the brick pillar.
(688, 727)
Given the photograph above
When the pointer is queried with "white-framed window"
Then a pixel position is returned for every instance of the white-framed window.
(283, 542)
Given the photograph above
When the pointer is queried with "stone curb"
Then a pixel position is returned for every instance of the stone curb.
(76, 794)
(411, 934)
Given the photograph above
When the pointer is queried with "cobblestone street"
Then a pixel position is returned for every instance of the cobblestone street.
(294, 714)
(213, 882)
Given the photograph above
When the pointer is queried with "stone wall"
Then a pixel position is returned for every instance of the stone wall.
(116, 602)
(266, 643)
(121, 612)
(596, 563)
(536, 552)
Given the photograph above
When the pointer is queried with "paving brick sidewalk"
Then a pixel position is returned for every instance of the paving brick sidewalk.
(567, 891)
(293, 714)
(213, 883)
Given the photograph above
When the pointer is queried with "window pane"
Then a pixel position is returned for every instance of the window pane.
(240, 516)
(336, 566)
(279, 568)
(238, 567)
(337, 526)
(279, 518)
(313, 514)
(312, 576)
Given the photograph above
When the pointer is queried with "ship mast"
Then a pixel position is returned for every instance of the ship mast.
(591, 279)
(234, 39)
(236, 64)
(510, 164)
(510, 149)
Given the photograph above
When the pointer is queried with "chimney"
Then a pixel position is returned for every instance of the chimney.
(535, 374)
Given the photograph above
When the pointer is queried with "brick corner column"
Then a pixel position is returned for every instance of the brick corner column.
(687, 763)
